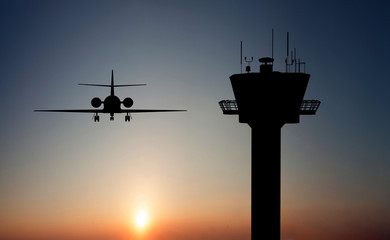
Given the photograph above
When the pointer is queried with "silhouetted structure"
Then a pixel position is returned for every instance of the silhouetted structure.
(267, 100)
(112, 104)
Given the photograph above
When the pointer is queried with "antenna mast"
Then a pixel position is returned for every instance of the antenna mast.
(272, 43)
(241, 55)
(287, 52)
(295, 59)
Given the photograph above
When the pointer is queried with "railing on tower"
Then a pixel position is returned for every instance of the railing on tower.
(308, 107)
(229, 107)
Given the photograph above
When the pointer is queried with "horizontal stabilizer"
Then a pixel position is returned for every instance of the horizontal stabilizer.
(107, 85)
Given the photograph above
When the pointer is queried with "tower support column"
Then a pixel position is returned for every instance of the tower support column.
(265, 181)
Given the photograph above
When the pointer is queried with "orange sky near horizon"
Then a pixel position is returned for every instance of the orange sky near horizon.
(314, 223)
(170, 216)
(189, 228)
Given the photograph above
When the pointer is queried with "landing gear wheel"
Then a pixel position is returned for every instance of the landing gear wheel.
(96, 118)
(127, 117)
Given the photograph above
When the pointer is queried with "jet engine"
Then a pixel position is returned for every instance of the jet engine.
(96, 102)
(127, 102)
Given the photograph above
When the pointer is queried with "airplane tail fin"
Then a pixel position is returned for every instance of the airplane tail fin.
(112, 82)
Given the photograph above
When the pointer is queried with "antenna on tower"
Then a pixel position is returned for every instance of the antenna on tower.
(241, 55)
(295, 59)
(287, 43)
(287, 52)
(272, 43)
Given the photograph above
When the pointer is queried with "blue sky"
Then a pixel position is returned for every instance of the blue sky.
(185, 52)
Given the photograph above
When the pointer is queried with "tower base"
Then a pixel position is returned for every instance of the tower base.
(265, 181)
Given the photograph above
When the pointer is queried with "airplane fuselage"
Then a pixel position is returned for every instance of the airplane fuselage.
(112, 104)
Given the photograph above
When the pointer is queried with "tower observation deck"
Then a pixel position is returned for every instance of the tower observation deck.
(266, 100)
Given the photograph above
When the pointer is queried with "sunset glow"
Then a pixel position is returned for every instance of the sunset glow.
(141, 219)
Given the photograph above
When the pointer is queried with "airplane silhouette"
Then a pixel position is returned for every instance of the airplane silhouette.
(112, 104)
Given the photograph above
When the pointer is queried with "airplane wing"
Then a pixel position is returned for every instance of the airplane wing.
(149, 110)
(101, 110)
(74, 110)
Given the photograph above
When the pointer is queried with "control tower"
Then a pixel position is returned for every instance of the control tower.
(266, 100)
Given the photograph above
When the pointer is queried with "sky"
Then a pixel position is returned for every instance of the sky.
(63, 176)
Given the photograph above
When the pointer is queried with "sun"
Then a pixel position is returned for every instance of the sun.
(141, 219)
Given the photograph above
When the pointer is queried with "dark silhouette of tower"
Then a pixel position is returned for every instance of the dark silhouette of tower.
(266, 100)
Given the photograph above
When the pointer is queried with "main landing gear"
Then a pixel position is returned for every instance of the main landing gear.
(96, 118)
(127, 117)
